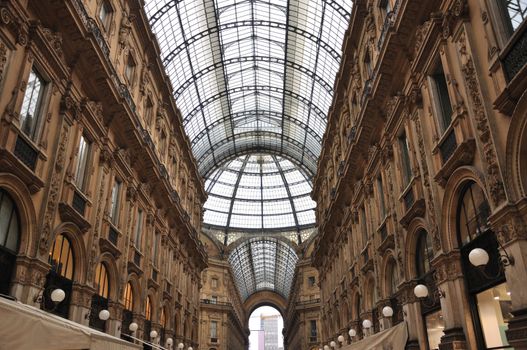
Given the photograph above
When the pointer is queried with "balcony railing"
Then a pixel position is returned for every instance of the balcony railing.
(516, 57)
(448, 146)
(26, 153)
(113, 236)
(78, 203)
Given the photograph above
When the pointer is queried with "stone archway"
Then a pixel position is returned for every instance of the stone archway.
(265, 298)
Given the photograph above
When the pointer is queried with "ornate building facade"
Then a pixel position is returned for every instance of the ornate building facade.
(423, 163)
(223, 320)
(99, 192)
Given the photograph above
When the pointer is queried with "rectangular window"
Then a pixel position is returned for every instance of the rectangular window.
(380, 190)
(155, 243)
(214, 283)
(105, 14)
(114, 209)
(82, 162)
(214, 299)
(367, 66)
(311, 281)
(405, 159)
(32, 104)
(130, 69)
(313, 328)
(364, 225)
(138, 228)
(440, 97)
(214, 329)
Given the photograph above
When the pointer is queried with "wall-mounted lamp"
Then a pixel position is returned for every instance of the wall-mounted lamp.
(57, 295)
(103, 315)
(169, 342)
(421, 291)
(153, 334)
(133, 327)
(352, 333)
(387, 311)
(333, 344)
(480, 258)
(180, 346)
(341, 339)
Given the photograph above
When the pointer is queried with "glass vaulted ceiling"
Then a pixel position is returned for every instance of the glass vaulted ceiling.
(253, 77)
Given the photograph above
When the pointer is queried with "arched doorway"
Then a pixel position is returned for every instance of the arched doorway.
(9, 239)
(265, 326)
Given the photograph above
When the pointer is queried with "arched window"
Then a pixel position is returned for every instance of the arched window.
(9, 239)
(473, 213)
(61, 257)
(128, 300)
(163, 323)
(424, 254)
(100, 299)
(101, 281)
(392, 278)
(128, 297)
(148, 310)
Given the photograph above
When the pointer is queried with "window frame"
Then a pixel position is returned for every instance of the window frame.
(115, 202)
(406, 162)
(64, 269)
(107, 21)
(440, 96)
(41, 104)
(83, 183)
(14, 214)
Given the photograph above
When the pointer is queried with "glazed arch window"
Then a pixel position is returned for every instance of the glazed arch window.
(33, 104)
(9, 223)
(61, 257)
(392, 278)
(81, 171)
(101, 281)
(440, 97)
(9, 239)
(473, 213)
(148, 309)
(105, 14)
(424, 254)
(128, 297)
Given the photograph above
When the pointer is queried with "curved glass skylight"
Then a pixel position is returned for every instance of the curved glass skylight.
(263, 264)
(259, 192)
(251, 75)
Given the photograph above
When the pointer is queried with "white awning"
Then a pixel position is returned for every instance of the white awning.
(25, 327)
(391, 338)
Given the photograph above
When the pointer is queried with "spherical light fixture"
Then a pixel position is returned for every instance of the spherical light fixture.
(153, 334)
(421, 291)
(387, 311)
(326, 347)
(478, 257)
(190, 348)
(170, 342)
(341, 338)
(104, 315)
(352, 332)
(333, 344)
(57, 295)
(366, 324)
(133, 327)
(180, 346)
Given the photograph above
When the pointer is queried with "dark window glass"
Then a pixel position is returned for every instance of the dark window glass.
(405, 158)
(9, 226)
(440, 96)
(514, 12)
(424, 254)
(61, 257)
(473, 213)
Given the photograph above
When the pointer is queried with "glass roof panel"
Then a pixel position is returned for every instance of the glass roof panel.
(226, 57)
(263, 264)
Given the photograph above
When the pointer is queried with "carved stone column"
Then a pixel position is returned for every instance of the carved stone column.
(412, 312)
(449, 279)
(80, 303)
(114, 323)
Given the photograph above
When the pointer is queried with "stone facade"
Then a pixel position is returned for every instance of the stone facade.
(430, 100)
(222, 312)
(124, 120)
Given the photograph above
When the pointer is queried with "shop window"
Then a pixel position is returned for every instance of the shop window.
(128, 300)
(148, 323)
(494, 308)
(435, 326)
(32, 105)
(61, 274)
(440, 98)
(100, 298)
(81, 170)
(9, 239)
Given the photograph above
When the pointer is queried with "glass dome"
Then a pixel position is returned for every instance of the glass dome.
(259, 192)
